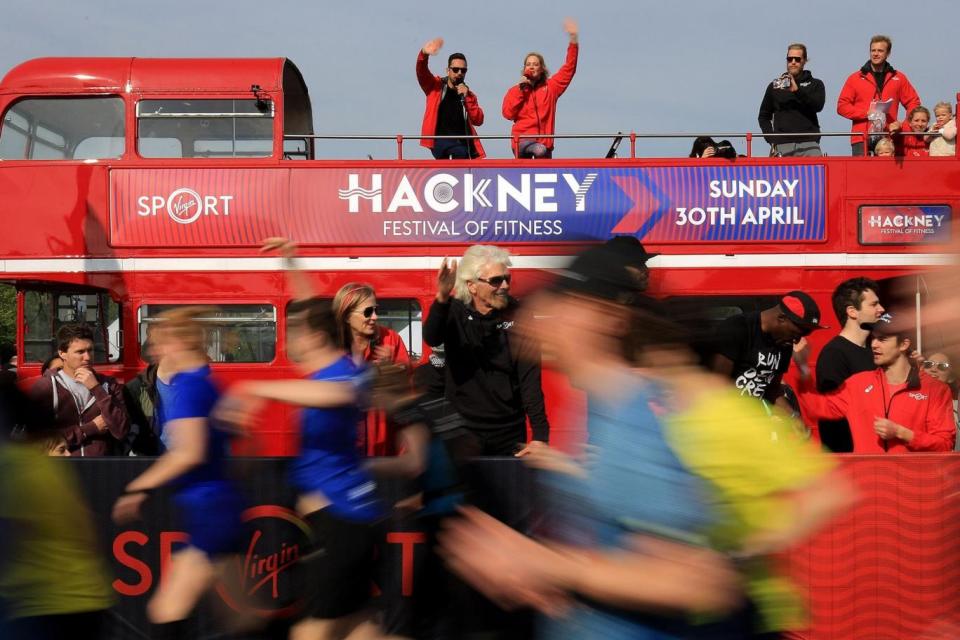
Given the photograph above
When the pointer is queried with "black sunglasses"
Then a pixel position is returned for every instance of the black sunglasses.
(369, 311)
(794, 59)
(496, 281)
(933, 364)
(458, 69)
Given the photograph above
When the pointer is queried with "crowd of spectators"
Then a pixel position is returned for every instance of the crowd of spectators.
(788, 116)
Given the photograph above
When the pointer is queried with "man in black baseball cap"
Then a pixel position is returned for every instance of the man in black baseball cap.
(755, 349)
(634, 257)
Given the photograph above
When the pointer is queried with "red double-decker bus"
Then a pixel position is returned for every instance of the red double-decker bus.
(131, 185)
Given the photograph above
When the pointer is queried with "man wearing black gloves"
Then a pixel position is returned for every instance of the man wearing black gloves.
(490, 385)
(790, 105)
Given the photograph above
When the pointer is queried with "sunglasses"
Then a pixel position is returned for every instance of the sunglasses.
(932, 364)
(458, 69)
(496, 281)
(368, 311)
(794, 59)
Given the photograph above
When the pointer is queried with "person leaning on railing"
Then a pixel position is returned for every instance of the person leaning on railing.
(532, 103)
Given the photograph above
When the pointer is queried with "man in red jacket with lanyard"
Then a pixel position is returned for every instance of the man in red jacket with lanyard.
(893, 408)
(875, 82)
(451, 109)
(532, 103)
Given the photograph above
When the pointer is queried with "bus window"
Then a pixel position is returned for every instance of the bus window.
(235, 333)
(404, 316)
(63, 129)
(205, 128)
(46, 311)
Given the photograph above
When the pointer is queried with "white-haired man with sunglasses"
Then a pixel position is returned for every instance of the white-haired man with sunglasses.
(490, 384)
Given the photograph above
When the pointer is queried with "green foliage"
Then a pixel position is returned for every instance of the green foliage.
(8, 314)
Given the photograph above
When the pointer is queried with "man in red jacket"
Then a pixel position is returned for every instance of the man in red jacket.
(532, 103)
(876, 83)
(88, 407)
(892, 408)
(451, 109)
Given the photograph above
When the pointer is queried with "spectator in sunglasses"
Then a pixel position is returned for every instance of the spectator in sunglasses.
(490, 384)
(938, 366)
(452, 108)
(790, 105)
(366, 341)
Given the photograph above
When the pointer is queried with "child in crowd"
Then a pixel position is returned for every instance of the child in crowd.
(946, 143)
(884, 148)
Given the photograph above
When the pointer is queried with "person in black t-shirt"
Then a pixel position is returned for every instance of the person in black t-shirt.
(754, 349)
(451, 107)
(855, 302)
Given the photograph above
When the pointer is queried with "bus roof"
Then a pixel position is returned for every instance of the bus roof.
(99, 75)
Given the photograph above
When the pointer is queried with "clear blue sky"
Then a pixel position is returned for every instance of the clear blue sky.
(650, 66)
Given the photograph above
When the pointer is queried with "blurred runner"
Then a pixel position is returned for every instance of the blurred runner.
(53, 582)
(208, 504)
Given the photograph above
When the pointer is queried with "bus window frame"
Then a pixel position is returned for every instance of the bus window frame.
(23, 287)
(30, 139)
(275, 115)
(137, 318)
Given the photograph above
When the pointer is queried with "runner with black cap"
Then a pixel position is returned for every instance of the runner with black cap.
(635, 257)
(755, 349)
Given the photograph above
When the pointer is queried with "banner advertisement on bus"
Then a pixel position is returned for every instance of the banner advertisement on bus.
(344, 206)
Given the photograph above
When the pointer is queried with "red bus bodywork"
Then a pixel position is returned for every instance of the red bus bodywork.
(65, 230)
(59, 229)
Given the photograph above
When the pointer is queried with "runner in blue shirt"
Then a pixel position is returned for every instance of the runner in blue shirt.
(337, 497)
(209, 505)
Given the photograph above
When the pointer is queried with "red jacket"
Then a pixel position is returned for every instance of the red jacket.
(378, 439)
(535, 110)
(924, 406)
(912, 146)
(433, 86)
(860, 90)
(76, 423)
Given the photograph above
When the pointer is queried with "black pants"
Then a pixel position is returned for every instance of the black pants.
(73, 626)
(500, 441)
(856, 149)
(447, 149)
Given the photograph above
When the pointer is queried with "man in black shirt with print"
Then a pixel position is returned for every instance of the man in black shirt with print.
(754, 349)
(855, 302)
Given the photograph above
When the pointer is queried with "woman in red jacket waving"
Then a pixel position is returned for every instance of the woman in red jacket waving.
(532, 103)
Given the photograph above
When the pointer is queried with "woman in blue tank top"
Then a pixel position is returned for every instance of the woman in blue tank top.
(208, 504)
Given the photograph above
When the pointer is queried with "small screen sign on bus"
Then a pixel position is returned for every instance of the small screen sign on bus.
(905, 224)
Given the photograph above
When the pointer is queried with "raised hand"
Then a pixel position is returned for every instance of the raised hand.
(446, 278)
(433, 46)
(286, 247)
(571, 28)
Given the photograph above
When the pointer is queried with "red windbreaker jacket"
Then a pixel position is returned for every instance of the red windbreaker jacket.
(924, 406)
(535, 110)
(378, 438)
(913, 146)
(433, 88)
(860, 90)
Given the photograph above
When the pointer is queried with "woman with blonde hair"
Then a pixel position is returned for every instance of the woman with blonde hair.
(532, 103)
(368, 342)
(193, 467)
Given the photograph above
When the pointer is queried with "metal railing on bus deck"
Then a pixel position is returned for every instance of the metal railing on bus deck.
(632, 136)
(310, 139)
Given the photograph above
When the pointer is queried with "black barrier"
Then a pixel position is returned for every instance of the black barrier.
(275, 538)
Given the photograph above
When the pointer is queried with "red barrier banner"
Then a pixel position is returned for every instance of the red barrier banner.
(889, 568)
